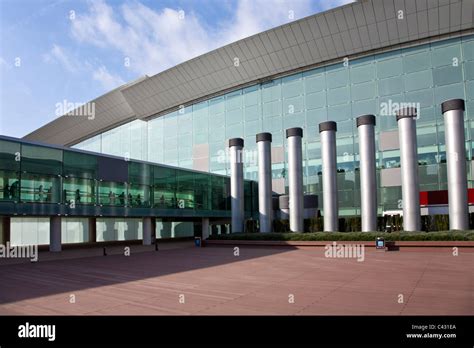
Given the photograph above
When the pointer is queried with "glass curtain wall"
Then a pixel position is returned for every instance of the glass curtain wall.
(426, 75)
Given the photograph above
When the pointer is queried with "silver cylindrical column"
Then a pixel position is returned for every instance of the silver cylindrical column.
(453, 112)
(265, 204)
(295, 178)
(327, 132)
(406, 119)
(368, 179)
(237, 183)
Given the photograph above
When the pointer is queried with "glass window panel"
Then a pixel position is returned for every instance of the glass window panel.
(170, 125)
(272, 109)
(10, 155)
(389, 68)
(271, 91)
(79, 191)
(217, 105)
(364, 107)
(201, 116)
(362, 73)
(234, 117)
(252, 113)
(251, 95)
(93, 144)
(216, 121)
(427, 115)
(171, 143)
(315, 100)
(38, 159)
(468, 50)
(272, 124)
(447, 75)
(29, 231)
(315, 83)
(185, 122)
(337, 77)
(315, 117)
(233, 100)
(424, 97)
(418, 80)
(345, 128)
(363, 91)
(164, 188)
(293, 120)
(185, 153)
(444, 93)
(170, 156)
(202, 191)
(201, 138)
(9, 185)
(277, 138)
(293, 105)
(339, 113)
(444, 55)
(470, 89)
(391, 198)
(79, 165)
(235, 131)
(74, 230)
(113, 193)
(292, 86)
(219, 193)
(185, 140)
(40, 188)
(390, 86)
(416, 62)
(185, 189)
(339, 96)
(114, 229)
(252, 128)
(138, 140)
(117, 141)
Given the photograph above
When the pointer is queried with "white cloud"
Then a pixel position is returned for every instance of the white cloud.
(4, 63)
(109, 81)
(156, 40)
(57, 54)
(255, 16)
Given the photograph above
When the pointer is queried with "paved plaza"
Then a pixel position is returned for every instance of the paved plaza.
(188, 280)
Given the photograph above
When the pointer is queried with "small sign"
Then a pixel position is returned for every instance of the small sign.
(380, 243)
(197, 241)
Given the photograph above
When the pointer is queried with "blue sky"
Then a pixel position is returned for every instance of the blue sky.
(56, 50)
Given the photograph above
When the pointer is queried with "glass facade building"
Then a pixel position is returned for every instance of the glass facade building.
(195, 135)
(39, 181)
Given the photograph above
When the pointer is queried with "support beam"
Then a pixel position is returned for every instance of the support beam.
(453, 113)
(295, 178)
(147, 230)
(237, 184)
(327, 132)
(406, 119)
(6, 229)
(55, 234)
(92, 230)
(368, 178)
(265, 204)
(205, 228)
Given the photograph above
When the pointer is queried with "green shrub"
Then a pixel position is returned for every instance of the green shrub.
(352, 236)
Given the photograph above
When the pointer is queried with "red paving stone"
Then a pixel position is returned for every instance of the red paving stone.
(259, 281)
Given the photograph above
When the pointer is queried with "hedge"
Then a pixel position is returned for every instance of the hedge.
(351, 236)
